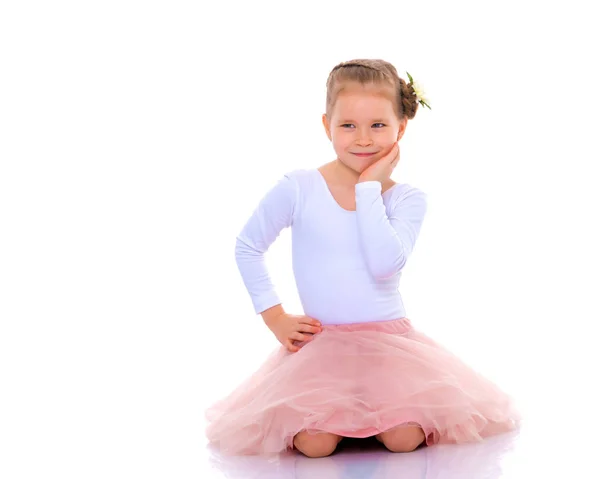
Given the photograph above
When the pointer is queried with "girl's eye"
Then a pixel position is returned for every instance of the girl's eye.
(351, 125)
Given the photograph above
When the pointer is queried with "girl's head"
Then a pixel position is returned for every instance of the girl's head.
(368, 107)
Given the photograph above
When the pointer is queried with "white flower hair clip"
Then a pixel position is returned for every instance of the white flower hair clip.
(418, 90)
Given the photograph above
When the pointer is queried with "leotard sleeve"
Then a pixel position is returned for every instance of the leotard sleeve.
(274, 213)
(387, 242)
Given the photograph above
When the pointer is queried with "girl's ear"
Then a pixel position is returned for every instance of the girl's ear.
(327, 126)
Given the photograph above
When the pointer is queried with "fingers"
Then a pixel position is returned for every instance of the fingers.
(395, 153)
(292, 348)
(307, 320)
(309, 329)
(391, 153)
(304, 324)
(301, 337)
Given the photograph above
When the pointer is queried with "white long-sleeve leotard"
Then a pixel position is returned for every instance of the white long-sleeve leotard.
(347, 264)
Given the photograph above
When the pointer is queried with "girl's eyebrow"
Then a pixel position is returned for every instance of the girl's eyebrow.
(374, 121)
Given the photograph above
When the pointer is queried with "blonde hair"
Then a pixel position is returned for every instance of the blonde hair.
(372, 72)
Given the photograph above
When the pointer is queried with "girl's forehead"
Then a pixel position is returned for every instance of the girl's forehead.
(365, 90)
(360, 100)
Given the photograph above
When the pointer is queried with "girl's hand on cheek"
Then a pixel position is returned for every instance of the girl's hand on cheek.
(382, 169)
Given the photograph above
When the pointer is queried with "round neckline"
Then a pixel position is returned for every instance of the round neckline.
(335, 202)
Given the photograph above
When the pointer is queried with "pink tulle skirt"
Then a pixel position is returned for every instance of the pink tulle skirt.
(358, 380)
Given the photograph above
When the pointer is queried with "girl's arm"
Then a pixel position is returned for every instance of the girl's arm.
(387, 242)
(274, 212)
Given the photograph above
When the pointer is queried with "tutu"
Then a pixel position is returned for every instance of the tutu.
(358, 380)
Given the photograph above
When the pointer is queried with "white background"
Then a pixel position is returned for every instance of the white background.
(137, 137)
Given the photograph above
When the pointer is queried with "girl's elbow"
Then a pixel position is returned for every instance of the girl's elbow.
(244, 251)
(240, 246)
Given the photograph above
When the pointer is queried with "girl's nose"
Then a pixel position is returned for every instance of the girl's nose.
(363, 138)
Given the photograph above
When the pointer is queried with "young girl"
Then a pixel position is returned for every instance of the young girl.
(352, 365)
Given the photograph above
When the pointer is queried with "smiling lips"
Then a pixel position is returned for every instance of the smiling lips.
(363, 155)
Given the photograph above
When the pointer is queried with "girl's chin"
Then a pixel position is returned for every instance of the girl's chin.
(359, 163)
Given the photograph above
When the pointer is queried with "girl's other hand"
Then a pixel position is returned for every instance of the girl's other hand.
(382, 169)
(291, 328)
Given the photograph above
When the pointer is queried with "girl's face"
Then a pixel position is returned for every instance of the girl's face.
(363, 121)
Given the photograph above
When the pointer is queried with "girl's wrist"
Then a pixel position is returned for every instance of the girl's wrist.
(367, 184)
(364, 180)
(272, 313)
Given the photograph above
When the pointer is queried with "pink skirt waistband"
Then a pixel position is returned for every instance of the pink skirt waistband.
(401, 325)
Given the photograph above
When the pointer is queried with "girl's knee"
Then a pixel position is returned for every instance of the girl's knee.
(403, 439)
(316, 445)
